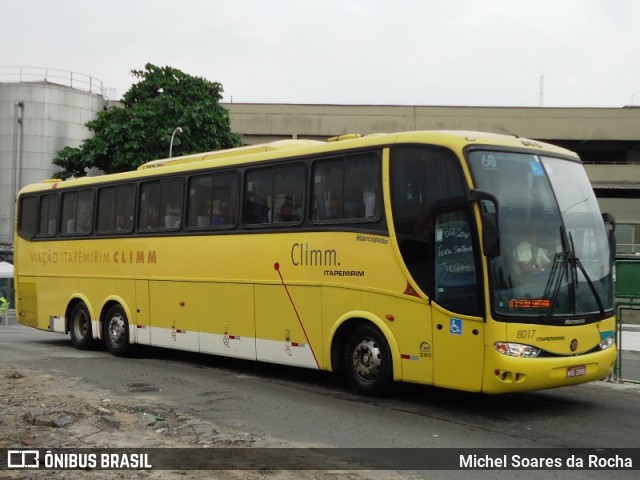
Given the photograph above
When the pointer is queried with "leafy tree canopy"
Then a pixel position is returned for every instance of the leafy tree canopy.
(140, 129)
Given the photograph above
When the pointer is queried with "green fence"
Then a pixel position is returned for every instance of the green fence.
(628, 315)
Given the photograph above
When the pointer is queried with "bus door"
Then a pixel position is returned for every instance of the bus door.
(458, 327)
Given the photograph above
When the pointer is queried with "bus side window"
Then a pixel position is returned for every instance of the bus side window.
(327, 190)
(258, 195)
(361, 186)
(149, 215)
(115, 208)
(125, 206)
(171, 202)
(69, 207)
(77, 212)
(28, 216)
(224, 199)
(106, 209)
(48, 215)
(160, 204)
(213, 200)
(455, 266)
(347, 188)
(288, 196)
(84, 219)
(199, 202)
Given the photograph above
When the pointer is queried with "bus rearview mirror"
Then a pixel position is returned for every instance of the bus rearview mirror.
(490, 226)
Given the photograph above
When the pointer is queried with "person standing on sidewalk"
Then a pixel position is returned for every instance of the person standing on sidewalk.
(4, 305)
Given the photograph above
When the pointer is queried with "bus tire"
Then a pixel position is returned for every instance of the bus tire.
(368, 366)
(80, 327)
(116, 331)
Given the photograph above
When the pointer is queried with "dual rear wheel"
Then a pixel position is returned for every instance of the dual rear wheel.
(80, 327)
(115, 329)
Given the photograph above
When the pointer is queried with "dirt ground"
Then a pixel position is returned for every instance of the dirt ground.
(42, 410)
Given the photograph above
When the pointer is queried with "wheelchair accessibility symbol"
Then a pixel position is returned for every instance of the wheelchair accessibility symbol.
(455, 326)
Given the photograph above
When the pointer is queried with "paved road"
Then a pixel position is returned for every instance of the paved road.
(304, 407)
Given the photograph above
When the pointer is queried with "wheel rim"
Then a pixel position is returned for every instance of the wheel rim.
(81, 324)
(367, 359)
(116, 330)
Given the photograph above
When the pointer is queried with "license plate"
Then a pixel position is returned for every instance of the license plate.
(578, 371)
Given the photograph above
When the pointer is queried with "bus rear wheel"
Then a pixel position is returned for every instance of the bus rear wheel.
(116, 331)
(80, 327)
(368, 365)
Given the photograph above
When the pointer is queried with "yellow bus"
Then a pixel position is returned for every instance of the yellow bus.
(388, 257)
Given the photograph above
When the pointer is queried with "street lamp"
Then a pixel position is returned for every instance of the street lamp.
(177, 131)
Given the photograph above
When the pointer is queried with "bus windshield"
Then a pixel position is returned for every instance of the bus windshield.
(554, 263)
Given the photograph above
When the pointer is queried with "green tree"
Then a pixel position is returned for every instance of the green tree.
(140, 129)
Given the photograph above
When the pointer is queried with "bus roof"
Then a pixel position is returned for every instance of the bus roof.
(455, 140)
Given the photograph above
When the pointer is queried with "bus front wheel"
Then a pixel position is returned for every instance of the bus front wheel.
(80, 327)
(116, 331)
(368, 365)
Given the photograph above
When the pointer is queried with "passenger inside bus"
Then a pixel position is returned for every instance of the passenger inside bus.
(255, 210)
(222, 217)
(329, 210)
(529, 256)
(152, 218)
(287, 211)
(84, 226)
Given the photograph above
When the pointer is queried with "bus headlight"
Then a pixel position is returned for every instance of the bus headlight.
(516, 349)
(607, 342)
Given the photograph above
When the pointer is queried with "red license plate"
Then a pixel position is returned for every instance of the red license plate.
(578, 371)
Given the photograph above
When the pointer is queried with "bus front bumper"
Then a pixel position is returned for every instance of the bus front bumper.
(505, 374)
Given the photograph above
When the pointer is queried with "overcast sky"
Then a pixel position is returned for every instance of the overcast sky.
(389, 52)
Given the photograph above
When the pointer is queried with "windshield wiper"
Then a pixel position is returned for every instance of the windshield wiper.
(576, 264)
(555, 282)
(593, 288)
(567, 257)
